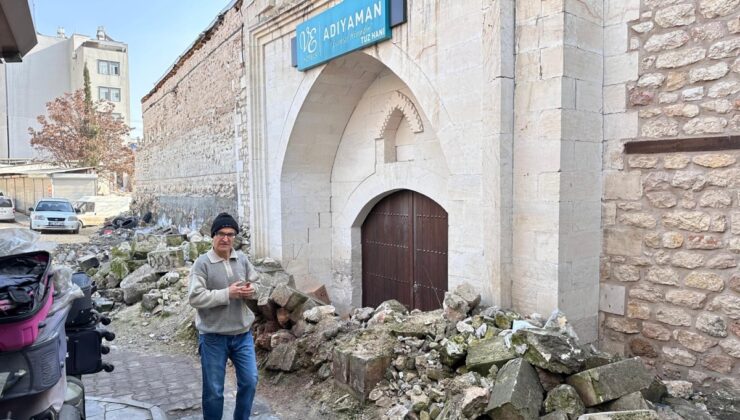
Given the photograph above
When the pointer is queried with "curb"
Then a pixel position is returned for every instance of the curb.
(156, 412)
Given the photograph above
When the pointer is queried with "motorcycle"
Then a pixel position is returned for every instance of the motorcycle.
(50, 336)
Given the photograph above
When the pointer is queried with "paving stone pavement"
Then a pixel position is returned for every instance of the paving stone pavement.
(171, 382)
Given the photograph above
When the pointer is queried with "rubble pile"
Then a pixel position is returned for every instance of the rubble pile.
(467, 361)
(464, 361)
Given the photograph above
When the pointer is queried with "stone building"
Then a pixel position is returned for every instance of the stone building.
(577, 155)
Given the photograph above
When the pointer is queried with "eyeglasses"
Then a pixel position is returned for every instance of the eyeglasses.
(225, 235)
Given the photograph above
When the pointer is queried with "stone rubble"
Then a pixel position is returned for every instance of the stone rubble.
(464, 361)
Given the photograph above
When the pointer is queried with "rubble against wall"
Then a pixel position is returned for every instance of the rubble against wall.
(193, 121)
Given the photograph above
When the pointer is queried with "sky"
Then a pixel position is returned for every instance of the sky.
(156, 31)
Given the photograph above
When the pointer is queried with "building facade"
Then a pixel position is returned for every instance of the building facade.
(508, 145)
(52, 68)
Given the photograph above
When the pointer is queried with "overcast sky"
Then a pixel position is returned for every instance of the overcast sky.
(156, 31)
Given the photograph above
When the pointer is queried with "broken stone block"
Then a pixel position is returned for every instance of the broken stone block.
(118, 269)
(393, 306)
(87, 262)
(137, 283)
(281, 337)
(150, 300)
(633, 401)
(283, 317)
(455, 307)
(320, 294)
(517, 393)
(287, 297)
(679, 389)
(549, 380)
(420, 325)
(363, 314)
(469, 295)
(174, 239)
(419, 402)
(609, 382)
(564, 398)
(505, 319)
(276, 278)
(655, 392)
(486, 353)
(622, 415)
(687, 410)
(143, 244)
(453, 351)
(103, 304)
(134, 265)
(318, 313)
(166, 260)
(123, 250)
(283, 357)
(474, 402)
(549, 350)
(366, 369)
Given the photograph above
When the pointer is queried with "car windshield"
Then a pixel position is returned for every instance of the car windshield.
(54, 206)
(5, 202)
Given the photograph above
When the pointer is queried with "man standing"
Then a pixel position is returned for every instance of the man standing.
(218, 290)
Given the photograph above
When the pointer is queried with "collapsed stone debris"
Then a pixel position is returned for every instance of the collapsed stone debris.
(464, 361)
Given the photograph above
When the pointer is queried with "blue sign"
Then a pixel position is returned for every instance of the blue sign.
(348, 26)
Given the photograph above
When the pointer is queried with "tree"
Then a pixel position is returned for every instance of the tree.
(79, 132)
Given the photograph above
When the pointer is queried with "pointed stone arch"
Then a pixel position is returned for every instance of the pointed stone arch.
(398, 107)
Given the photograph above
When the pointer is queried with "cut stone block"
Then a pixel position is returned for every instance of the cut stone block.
(633, 401)
(283, 357)
(287, 297)
(517, 393)
(564, 398)
(609, 382)
(550, 350)
(87, 262)
(174, 239)
(320, 294)
(166, 260)
(137, 283)
(486, 353)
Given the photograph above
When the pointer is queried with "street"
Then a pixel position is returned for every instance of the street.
(22, 221)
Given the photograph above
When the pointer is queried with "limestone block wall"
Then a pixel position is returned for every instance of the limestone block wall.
(669, 282)
(188, 166)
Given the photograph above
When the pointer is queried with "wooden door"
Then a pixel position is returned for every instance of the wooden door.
(404, 252)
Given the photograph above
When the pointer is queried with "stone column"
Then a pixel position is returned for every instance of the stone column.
(557, 159)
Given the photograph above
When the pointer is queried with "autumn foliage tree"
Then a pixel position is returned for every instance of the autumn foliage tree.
(77, 131)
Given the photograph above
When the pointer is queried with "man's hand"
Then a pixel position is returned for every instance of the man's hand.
(241, 290)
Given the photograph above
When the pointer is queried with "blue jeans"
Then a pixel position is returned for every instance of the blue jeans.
(214, 349)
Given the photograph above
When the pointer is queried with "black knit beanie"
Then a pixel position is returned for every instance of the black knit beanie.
(223, 220)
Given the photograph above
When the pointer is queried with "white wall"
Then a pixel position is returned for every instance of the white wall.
(43, 75)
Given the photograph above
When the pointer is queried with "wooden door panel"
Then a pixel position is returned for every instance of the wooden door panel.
(404, 252)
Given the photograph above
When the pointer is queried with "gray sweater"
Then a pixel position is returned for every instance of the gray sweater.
(210, 278)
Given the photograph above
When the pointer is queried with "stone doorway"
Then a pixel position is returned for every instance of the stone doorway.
(404, 252)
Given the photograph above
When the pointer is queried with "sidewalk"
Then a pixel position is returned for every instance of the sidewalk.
(154, 386)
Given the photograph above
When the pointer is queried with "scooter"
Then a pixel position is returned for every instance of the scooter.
(34, 387)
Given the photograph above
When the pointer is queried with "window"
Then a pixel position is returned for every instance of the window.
(109, 94)
(112, 68)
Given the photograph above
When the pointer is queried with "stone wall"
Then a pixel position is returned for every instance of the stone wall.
(670, 291)
(188, 164)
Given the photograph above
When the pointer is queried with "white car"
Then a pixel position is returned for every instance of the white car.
(7, 211)
(54, 214)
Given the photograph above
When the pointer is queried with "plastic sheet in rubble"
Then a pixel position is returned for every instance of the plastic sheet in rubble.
(18, 241)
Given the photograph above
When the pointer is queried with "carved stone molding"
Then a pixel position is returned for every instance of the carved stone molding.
(399, 102)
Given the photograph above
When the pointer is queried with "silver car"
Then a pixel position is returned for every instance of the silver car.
(54, 214)
(7, 211)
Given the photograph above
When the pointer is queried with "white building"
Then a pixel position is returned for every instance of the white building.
(53, 67)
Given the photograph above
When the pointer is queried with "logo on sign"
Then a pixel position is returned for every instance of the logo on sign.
(351, 25)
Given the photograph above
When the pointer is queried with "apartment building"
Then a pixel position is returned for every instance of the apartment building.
(53, 67)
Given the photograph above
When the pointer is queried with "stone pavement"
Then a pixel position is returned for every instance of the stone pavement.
(147, 385)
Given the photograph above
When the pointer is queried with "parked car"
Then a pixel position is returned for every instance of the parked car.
(54, 214)
(7, 210)
(93, 210)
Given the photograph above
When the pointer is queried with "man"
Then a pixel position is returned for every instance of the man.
(218, 290)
